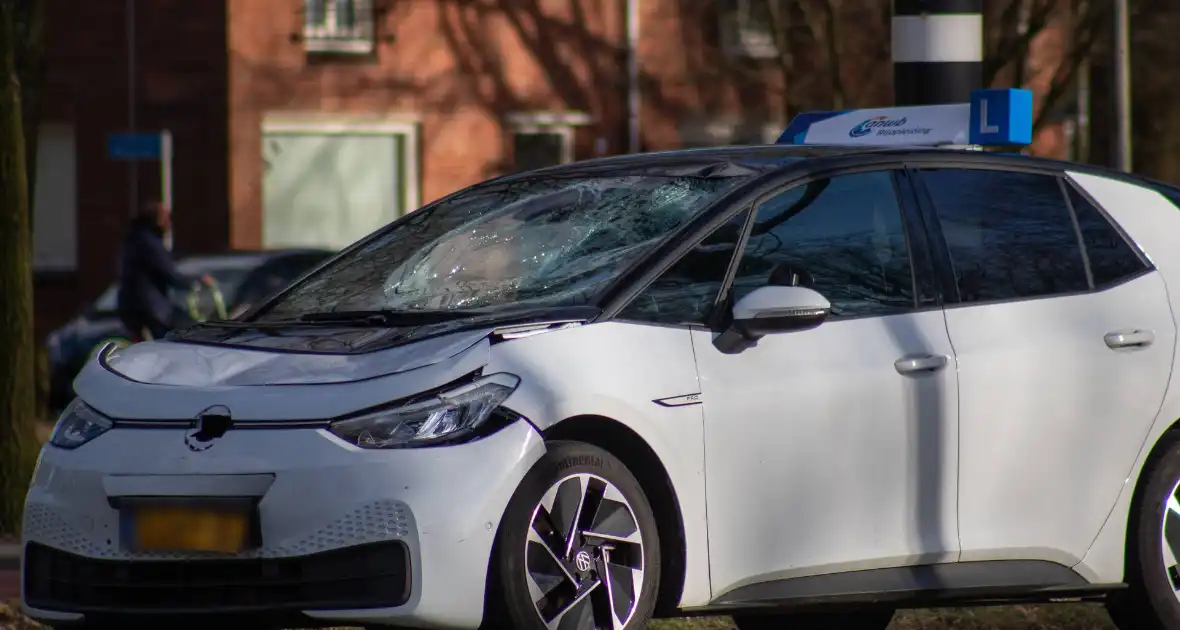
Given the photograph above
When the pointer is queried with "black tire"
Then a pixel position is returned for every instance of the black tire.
(867, 620)
(1150, 601)
(510, 604)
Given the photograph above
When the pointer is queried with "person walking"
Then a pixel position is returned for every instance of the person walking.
(146, 274)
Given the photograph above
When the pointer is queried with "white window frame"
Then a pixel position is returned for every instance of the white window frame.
(62, 177)
(555, 123)
(408, 127)
(740, 37)
(332, 38)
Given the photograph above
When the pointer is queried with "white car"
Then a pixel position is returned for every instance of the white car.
(804, 386)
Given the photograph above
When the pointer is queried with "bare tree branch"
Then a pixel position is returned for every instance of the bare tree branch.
(1086, 29)
(1012, 42)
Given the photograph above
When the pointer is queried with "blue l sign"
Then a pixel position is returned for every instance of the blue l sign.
(1001, 117)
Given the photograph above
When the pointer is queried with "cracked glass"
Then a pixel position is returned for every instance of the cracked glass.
(536, 242)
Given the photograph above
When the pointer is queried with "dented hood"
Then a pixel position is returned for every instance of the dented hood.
(199, 365)
(173, 380)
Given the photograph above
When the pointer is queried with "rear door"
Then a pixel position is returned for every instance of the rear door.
(1064, 339)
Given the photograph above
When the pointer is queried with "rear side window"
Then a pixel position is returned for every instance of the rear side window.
(1111, 258)
(1009, 235)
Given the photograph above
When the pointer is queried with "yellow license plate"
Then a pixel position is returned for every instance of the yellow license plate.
(184, 528)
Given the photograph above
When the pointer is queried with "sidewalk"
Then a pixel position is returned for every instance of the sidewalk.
(9, 572)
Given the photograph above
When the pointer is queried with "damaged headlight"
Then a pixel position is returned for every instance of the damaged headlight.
(78, 424)
(444, 417)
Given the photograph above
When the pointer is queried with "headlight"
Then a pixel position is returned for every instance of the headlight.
(78, 425)
(444, 417)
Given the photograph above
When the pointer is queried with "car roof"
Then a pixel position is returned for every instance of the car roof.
(702, 155)
(762, 159)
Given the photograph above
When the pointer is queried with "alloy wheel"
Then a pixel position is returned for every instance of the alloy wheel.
(584, 556)
(1171, 538)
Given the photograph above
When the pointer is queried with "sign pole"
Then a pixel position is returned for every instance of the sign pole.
(937, 51)
(166, 167)
(1122, 79)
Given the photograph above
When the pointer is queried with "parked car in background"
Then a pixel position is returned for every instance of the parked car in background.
(243, 279)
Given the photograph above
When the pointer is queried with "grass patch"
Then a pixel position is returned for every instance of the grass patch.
(1049, 617)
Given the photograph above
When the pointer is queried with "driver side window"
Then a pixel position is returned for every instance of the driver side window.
(842, 237)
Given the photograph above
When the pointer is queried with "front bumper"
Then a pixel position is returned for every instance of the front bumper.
(348, 536)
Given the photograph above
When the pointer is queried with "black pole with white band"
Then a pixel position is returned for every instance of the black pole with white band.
(937, 51)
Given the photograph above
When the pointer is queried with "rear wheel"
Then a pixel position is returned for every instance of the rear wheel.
(870, 620)
(1152, 600)
(577, 549)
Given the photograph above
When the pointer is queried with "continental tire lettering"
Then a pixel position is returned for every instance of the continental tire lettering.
(580, 460)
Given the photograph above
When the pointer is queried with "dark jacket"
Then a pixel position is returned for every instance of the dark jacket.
(146, 273)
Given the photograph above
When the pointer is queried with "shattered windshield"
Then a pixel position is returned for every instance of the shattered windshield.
(538, 242)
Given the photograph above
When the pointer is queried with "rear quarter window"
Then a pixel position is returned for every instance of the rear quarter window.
(1112, 259)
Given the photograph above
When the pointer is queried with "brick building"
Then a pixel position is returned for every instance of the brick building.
(313, 122)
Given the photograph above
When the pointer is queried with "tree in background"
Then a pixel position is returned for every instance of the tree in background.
(1069, 32)
(18, 439)
(1155, 90)
(835, 54)
(29, 21)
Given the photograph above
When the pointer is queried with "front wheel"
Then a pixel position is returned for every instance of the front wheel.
(577, 548)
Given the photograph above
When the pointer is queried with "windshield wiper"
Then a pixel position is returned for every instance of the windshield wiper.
(383, 317)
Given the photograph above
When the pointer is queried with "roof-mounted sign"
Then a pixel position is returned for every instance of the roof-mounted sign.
(996, 118)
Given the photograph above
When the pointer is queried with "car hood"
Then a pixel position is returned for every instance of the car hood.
(174, 380)
(166, 380)
(199, 365)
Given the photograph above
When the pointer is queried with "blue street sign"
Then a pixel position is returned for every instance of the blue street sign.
(133, 146)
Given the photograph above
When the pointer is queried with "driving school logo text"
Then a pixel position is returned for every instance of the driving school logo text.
(884, 126)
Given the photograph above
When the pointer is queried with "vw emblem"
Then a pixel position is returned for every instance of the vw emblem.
(209, 425)
(583, 561)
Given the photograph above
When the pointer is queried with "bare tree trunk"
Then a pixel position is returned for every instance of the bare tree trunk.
(1082, 152)
(779, 13)
(30, 67)
(18, 441)
(829, 32)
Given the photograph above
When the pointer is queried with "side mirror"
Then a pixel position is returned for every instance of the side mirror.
(770, 310)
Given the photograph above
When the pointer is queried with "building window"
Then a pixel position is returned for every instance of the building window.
(55, 200)
(746, 28)
(537, 148)
(543, 139)
(330, 181)
(338, 26)
(697, 132)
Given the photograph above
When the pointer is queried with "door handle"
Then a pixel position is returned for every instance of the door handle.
(920, 363)
(1129, 339)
